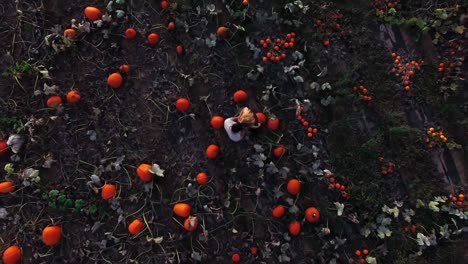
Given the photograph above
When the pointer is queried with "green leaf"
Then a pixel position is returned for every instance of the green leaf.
(79, 204)
(61, 199)
(92, 209)
(392, 11)
(68, 203)
(53, 193)
(52, 204)
(459, 29)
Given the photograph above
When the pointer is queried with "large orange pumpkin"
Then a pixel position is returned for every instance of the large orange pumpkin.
(212, 151)
(182, 209)
(7, 187)
(143, 172)
(108, 191)
(92, 13)
(11, 255)
(136, 227)
(312, 214)
(191, 223)
(51, 235)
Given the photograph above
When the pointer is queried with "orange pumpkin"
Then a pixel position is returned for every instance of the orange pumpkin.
(182, 209)
(108, 191)
(222, 31)
(125, 68)
(294, 186)
(295, 228)
(273, 123)
(92, 13)
(212, 151)
(261, 117)
(69, 33)
(115, 80)
(312, 214)
(279, 151)
(136, 227)
(202, 178)
(183, 104)
(217, 122)
(191, 223)
(278, 211)
(143, 172)
(54, 101)
(12, 255)
(153, 38)
(3, 147)
(7, 187)
(51, 235)
(240, 96)
(73, 97)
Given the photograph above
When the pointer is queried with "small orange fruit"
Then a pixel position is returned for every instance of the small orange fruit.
(136, 227)
(273, 123)
(217, 122)
(125, 68)
(212, 151)
(108, 191)
(222, 32)
(235, 257)
(92, 13)
(164, 5)
(191, 223)
(183, 104)
(115, 80)
(51, 235)
(202, 178)
(182, 209)
(358, 253)
(3, 147)
(365, 251)
(240, 96)
(279, 151)
(7, 187)
(295, 228)
(261, 117)
(69, 33)
(171, 26)
(153, 38)
(12, 255)
(294, 186)
(278, 211)
(130, 33)
(54, 101)
(179, 49)
(312, 214)
(143, 172)
(73, 97)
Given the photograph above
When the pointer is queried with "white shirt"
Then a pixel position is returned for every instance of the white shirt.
(236, 137)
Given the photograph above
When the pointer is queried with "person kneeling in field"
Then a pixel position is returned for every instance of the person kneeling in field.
(236, 126)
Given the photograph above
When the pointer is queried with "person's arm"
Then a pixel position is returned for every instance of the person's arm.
(256, 126)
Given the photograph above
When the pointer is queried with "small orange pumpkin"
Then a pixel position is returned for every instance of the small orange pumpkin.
(73, 97)
(12, 255)
(54, 101)
(279, 151)
(217, 122)
(115, 80)
(202, 178)
(191, 223)
(69, 33)
(153, 38)
(312, 214)
(51, 235)
(294, 186)
(7, 187)
(240, 96)
(278, 211)
(295, 228)
(183, 104)
(108, 191)
(222, 31)
(212, 151)
(92, 13)
(261, 117)
(125, 68)
(136, 227)
(182, 209)
(143, 172)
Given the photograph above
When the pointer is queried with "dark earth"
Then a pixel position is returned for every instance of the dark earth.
(110, 132)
